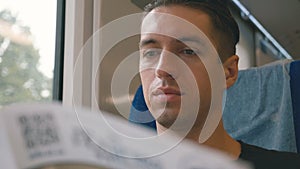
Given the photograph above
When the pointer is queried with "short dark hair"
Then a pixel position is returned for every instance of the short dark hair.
(220, 16)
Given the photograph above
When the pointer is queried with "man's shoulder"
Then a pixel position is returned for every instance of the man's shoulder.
(263, 158)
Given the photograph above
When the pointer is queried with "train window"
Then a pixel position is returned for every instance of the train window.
(27, 50)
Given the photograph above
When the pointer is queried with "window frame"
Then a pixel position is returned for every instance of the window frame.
(57, 91)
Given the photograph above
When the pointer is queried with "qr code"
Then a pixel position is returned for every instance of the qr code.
(39, 130)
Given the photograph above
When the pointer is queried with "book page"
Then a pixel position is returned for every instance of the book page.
(51, 136)
(7, 159)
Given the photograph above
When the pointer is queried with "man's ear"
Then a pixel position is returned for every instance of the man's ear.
(231, 70)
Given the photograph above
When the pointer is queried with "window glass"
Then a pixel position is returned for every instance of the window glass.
(27, 49)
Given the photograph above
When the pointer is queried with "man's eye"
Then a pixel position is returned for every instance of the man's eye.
(151, 53)
(189, 52)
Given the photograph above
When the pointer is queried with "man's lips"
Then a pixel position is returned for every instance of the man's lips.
(166, 91)
(163, 94)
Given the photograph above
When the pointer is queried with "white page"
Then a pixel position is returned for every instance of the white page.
(7, 159)
(49, 135)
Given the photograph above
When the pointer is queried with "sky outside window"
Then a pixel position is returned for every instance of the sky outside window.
(40, 16)
(33, 32)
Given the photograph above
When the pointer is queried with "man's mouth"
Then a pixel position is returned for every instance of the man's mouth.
(167, 94)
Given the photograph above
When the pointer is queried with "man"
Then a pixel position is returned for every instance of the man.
(174, 73)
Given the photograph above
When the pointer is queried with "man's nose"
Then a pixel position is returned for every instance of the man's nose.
(166, 67)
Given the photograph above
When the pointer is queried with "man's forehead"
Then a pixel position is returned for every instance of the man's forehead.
(156, 26)
(169, 25)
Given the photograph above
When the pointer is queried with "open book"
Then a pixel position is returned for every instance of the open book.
(51, 136)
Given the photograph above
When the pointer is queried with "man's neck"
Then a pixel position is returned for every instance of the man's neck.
(219, 140)
(223, 142)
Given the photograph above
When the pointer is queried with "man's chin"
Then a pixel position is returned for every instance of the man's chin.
(180, 127)
(165, 123)
(166, 119)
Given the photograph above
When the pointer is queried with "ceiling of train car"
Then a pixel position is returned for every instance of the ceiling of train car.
(280, 18)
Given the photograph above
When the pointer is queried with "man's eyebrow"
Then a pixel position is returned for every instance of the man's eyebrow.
(179, 40)
(190, 39)
(147, 42)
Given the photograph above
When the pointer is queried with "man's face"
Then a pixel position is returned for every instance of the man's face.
(173, 76)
